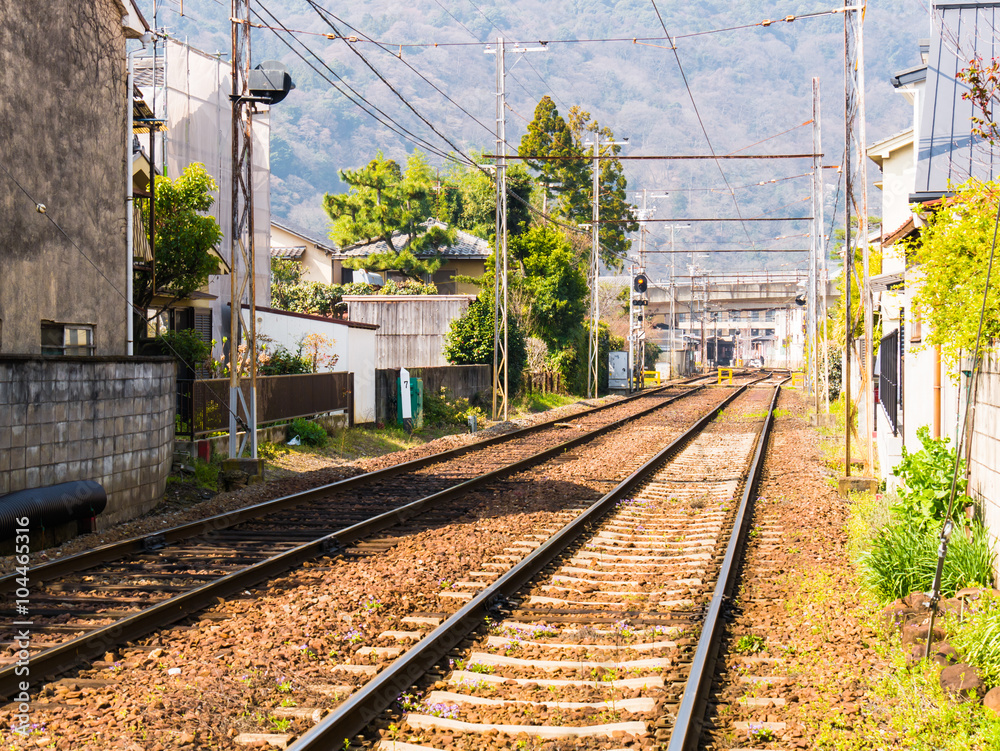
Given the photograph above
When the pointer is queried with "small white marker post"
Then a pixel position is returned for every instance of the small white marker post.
(404, 397)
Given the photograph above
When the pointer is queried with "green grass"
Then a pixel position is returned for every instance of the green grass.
(536, 402)
(906, 708)
(977, 637)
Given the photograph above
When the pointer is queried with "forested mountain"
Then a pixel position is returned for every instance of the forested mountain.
(610, 58)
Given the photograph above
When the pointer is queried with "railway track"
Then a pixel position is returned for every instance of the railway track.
(85, 605)
(600, 637)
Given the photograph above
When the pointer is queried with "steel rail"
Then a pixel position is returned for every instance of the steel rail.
(687, 726)
(67, 655)
(367, 704)
(157, 540)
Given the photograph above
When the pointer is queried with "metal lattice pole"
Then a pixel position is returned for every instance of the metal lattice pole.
(500, 352)
(857, 201)
(592, 351)
(242, 365)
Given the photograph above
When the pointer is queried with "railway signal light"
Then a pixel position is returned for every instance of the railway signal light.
(640, 283)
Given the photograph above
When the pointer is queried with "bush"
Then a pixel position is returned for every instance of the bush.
(927, 475)
(309, 432)
(185, 345)
(439, 410)
(470, 341)
(282, 362)
(902, 558)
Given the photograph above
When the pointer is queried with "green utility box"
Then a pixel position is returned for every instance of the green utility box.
(416, 403)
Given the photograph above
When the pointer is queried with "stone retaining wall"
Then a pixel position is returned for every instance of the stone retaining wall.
(105, 419)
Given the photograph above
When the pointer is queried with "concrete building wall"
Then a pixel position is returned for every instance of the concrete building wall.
(63, 137)
(110, 420)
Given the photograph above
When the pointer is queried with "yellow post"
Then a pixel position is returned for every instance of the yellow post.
(650, 378)
(798, 379)
(726, 373)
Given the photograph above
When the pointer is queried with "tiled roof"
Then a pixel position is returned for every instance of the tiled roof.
(466, 246)
(296, 252)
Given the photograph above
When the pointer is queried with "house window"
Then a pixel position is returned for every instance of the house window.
(769, 315)
(67, 339)
(754, 315)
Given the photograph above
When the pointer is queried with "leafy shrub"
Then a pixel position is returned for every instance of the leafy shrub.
(927, 475)
(903, 558)
(977, 637)
(309, 432)
(407, 287)
(440, 410)
(185, 345)
(280, 361)
(470, 340)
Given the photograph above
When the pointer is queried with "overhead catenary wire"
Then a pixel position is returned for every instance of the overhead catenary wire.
(321, 11)
(634, 39)
(694, 104)
(355, 97)
(323, 14)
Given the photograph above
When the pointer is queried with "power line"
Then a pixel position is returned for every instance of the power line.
(701, 122)
(406, 63)
(668, 157)
(322, 14)
(355, 97)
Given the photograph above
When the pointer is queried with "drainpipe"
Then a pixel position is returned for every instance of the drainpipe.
(936, 422)
(129, 240)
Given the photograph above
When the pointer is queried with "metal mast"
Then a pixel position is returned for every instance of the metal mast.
(821, 248)
(595, 264)
(857, 202)
(500, 252)
(242, 360)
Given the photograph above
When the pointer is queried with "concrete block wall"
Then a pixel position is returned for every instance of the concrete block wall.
(105, 419)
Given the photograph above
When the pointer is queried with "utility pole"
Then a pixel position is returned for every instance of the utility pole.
(595, 265)
(812, 300)
(857, 200)
(500, 338)
(500, 380)
(821, 270)
(242, 406)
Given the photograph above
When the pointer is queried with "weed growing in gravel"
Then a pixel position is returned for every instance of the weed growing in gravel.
(749, 644)
(354, 636)
(759, 734)
(287, 702)
(409, 702)
(447, 711)
(281, 724)
(284, 686)
(477, 667)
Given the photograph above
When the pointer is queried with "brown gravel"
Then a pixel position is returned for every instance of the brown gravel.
(290, 473)
(798, 595)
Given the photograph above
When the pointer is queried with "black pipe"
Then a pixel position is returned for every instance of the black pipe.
(50, 506)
